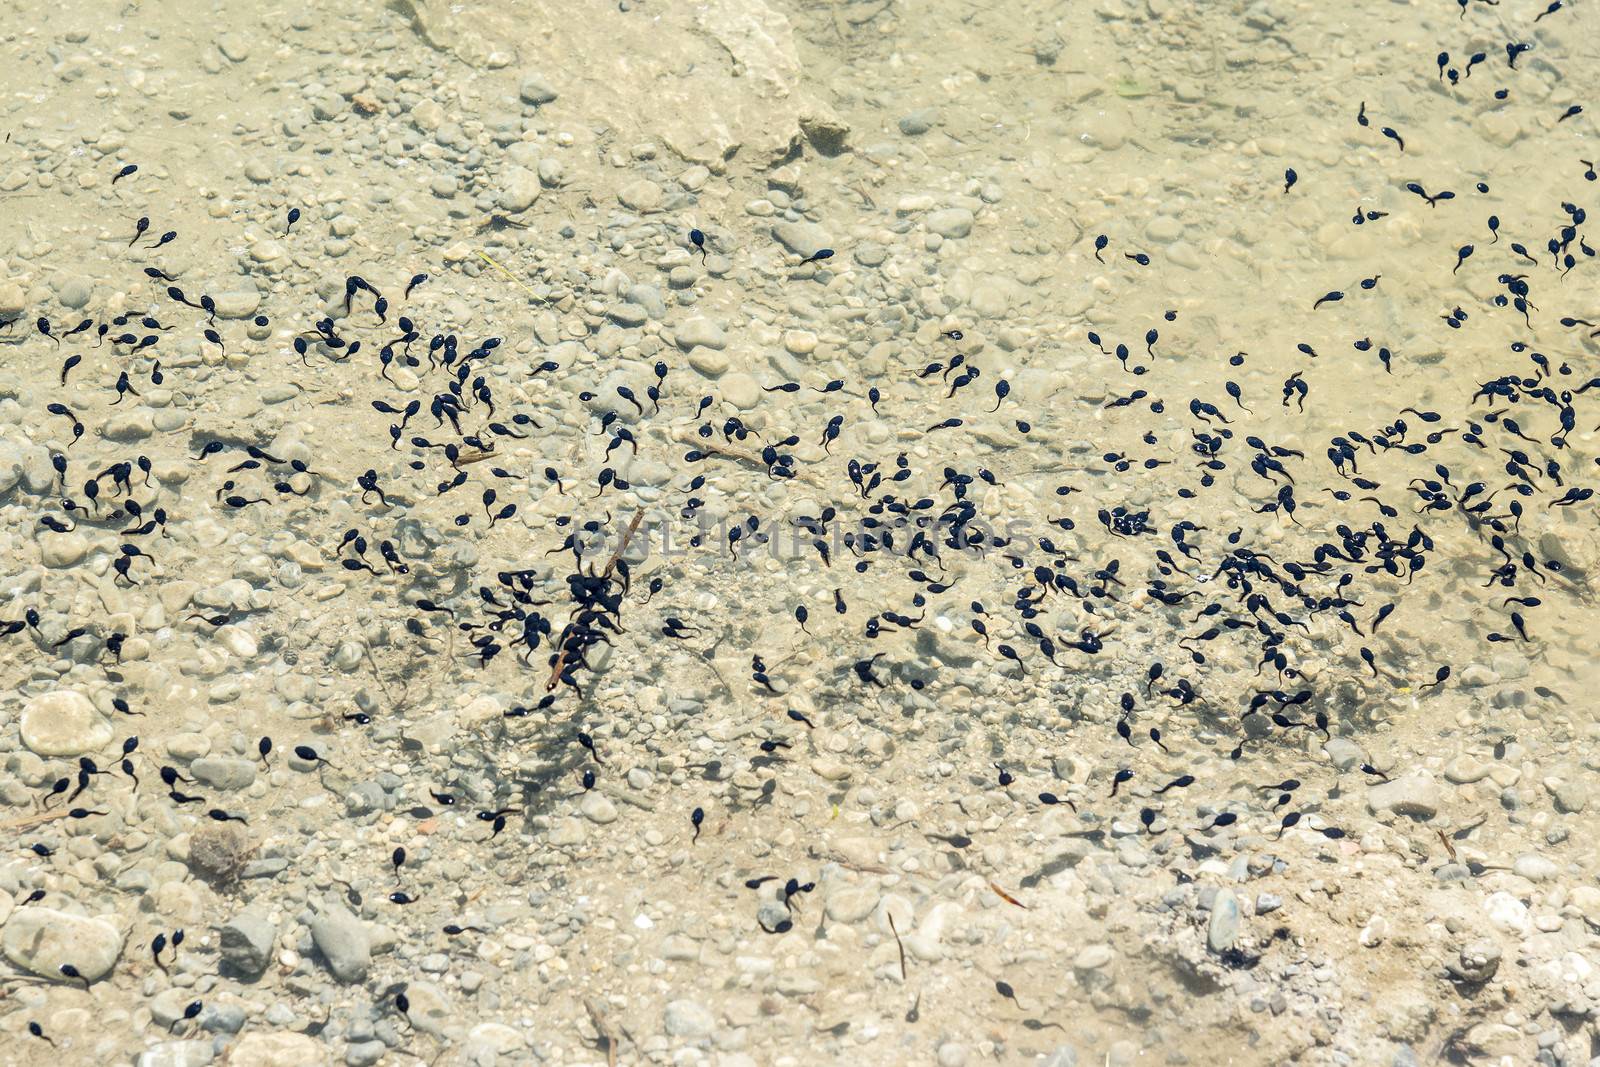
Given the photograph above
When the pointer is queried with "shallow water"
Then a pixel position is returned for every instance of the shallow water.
(1052, 704)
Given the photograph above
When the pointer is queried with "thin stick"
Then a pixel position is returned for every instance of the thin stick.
(35, 820)
(561, 660)
(513, 278)
(898, 944)
(735, 452)
(638, 517)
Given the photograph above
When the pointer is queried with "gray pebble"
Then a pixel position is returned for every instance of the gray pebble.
(1222, 930)
(870, 253)
(193, 1053)
(701, 332)
(364, 797)
(1571, 797)
(918, 122)
(1477, 962)
(1061, 1056)
(535, 89)
(12, 299)
(686, 1018)
(222, 773)
(519, 188)
(804, 239)
(628, 315)
(246, 942)
(1412, 795)
(598, 808)
(135, 424)
(772, 915)
(953, 222)
(74, 291)
(221, 1018)
(270, 867)
(365, 1053)
(344, 942)
(238, 303)
(236, 46)
(1344, 753)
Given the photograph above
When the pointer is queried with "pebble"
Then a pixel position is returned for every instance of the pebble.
(132, 424)
(1222, 929)
(1464, 770)
(237, 303)
(1414, 795)
(1344, 754)
(519, 188)
(62, 549)
(1586, 898)
(687, 1018)
(536, 89)
(1508, 913)
(1092, 958)
(74, 291)
(1061, 1056)
(345, 943)
(246, 942)
(235, 46)
(40, 939)
(13, 301)
(598, 808)
(954, 222)
(192, 1053)
(918, 122)
(188, 745)
(771, 916)
(1477, 962)
(488, 1040)
(850, 904)
(223, 773)
(64, 723)
(430, 1009)
(740, 390)
(1570, 796)
(641, 195)
(700, 332)
(277, 1050)
(365, 1053)
(804, 239)
(1534, 867)
(799, 342)
(709, 362)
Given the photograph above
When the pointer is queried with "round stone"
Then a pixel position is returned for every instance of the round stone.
(62, 549)
(74, 290)
(63, 723)
(277, 1049)
(536, 89)
(741, 390)
(12, 299)
(597, 807)
(641, 195)
(800, 342)
(40, 940)
(518, 190)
